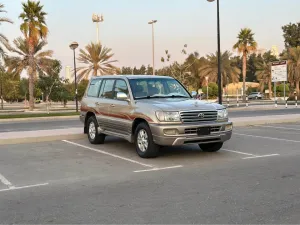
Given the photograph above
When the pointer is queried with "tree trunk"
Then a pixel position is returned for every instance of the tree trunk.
(31, 90)
(270, 89)
(297, 87)
(31, 73)
(244, 75)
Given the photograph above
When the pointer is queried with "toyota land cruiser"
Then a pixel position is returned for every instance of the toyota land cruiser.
(151, 111)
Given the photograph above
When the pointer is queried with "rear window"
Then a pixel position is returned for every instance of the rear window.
(94, 87)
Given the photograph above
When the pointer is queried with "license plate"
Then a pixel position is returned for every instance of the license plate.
(203, 131)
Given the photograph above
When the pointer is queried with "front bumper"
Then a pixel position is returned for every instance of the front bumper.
(182, 137)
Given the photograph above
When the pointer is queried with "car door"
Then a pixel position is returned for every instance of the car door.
(121, 110)
(92, 97)
(104, 101)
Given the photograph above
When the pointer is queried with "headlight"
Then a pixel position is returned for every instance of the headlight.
(222, 114)
(168, 116)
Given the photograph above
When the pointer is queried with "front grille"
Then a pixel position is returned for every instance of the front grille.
(194, 117)
(194, 130)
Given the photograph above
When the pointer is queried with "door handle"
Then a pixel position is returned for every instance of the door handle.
(112, 105)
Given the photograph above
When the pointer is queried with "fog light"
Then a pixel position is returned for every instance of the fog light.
(170, 131)
(228, 127)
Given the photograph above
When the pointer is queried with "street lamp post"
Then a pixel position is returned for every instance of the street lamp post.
(1, 94)
(152, 22)
(206, 78)
(73, 46)
(219, 52)
(97, 19)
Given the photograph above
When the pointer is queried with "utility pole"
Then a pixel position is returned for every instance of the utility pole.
(219, 52)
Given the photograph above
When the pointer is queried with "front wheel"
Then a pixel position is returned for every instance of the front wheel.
(211, 147)
(144, 144)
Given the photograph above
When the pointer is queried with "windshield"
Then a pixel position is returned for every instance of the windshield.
(157, 88)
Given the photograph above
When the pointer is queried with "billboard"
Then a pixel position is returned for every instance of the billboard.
(279, 71)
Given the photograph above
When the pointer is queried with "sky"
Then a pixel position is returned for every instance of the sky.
(126, 30)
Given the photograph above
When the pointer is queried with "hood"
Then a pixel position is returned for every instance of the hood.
(169, 104)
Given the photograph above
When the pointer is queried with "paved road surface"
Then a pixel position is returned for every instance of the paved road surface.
(253, 180)
(60, 124)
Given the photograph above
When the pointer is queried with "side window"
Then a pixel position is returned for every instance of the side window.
(121, 86)
(93, 90)
(107, 89)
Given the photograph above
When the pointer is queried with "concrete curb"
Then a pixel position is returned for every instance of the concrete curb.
(41, 139)
(77, 133)
(238, 122)
(39, 119)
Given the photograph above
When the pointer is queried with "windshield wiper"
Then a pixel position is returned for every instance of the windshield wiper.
(148, 97)
(162, 96)
(177, 96)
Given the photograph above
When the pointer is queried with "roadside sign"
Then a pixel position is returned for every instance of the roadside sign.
(279, 71)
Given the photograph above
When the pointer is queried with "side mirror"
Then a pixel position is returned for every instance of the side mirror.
(194, 94)
(122, 96)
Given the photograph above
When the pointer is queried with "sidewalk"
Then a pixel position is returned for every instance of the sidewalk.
(77, 133)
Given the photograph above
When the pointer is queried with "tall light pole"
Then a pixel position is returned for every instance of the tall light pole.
(97, 19)
(1, 94)
(152, 22)
(219, 52)
(73, 46)
(206, 78)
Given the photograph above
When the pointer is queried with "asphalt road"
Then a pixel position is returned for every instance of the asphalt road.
(72, 123)
(253, 180)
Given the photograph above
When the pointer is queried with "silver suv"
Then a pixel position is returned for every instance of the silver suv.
(151, 111)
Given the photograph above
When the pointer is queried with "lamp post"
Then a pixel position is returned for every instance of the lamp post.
(219, 52)
(73, 46)
(152, 22)
(97, 19)
(206, 78)
(1, 94)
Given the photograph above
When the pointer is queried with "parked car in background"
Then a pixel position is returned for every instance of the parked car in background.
(255, 95)
(151, 111)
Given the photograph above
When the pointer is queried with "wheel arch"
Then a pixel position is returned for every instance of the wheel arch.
(135, 123)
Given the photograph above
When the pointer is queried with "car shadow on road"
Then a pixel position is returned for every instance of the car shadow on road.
(182, 153)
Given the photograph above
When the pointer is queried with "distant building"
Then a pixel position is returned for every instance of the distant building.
(68, 74)
(274, 51)
(261, 51)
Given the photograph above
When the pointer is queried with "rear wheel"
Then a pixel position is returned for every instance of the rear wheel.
(211, 147)
(144, 144)
(92, 132)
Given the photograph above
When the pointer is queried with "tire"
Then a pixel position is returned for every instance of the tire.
(144, 144)
(92, 132)
(211, 147)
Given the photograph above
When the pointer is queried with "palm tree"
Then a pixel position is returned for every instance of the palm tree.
(264, 75)
(3, 39)
(34, 29)
(40, 61)
(294, 67)
(229, 72)
(97, 59)
(245, 45)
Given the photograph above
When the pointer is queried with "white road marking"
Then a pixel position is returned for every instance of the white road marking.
(157, 169)
(23, 187)
(5, 181)
(107, 153)
(278, 139)
(283, 128)
(243, 153)
(261, 156)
